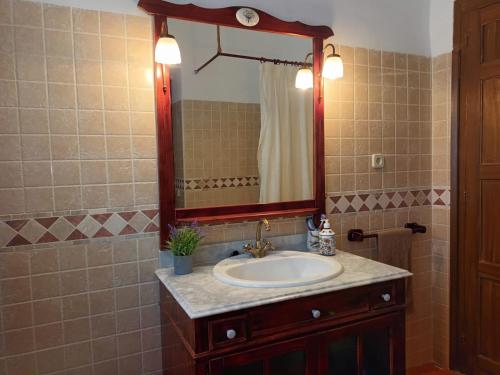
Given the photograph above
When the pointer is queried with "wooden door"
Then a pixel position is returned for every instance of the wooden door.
(479, 191)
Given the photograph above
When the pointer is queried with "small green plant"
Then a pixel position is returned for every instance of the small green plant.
(184, 240)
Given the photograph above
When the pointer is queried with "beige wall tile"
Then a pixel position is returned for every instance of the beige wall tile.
(62, 121)
(87, 47)
(114, 73)
(89, 97)
(6, 11)
(145, 170)
(61, 96)
(58, 43)
(67, 198)
(30, 67)
(117, 123)
(138, 27)
(113, 48)
(112, 24)
(9, 120)
(121, 195)
(93, 172)
(95, 196)
(11, 176)
(56, 17)
(119, 147)
(27, 13)
(19, 341)
(85, 21)
(119, 171)
(90, 122)
(60, 70)
(28, 39)
(35, 147)
(37, 173)
(92, 147)
(64, 147)
(115, 98)
(32, 95)
(8, 94)
(33, 121)
(88, 72)
(146, 193)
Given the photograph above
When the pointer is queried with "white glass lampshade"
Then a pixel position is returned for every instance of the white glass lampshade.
(304, 79)
(333, 67)
(167, 51)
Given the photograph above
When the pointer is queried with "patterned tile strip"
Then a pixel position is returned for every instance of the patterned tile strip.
(372, 201)
(215, 183)
(44, 230)
(76, 227)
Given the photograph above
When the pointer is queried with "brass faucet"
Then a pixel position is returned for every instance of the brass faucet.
(261, 246)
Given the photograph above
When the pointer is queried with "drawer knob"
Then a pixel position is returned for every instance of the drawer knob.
(230, 334)
(386, 297)
(316, 313)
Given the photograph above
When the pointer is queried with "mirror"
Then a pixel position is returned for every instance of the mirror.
(228, 90)
(242, 130)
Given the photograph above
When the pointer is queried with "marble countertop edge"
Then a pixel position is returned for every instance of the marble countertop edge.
(282, 294)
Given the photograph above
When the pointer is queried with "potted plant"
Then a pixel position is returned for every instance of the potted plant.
(183, 243)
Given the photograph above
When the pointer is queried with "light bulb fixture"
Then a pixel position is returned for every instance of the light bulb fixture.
(167, 50)
(304, 78)
(333, 67)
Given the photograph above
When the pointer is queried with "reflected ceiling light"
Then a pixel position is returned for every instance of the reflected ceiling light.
(167, 50)
(333, 67)
(304, 78)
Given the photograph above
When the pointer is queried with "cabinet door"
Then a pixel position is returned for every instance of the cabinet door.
(373, 347)
(292, 357)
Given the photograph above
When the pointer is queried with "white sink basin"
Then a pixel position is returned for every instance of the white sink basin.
(278, 269)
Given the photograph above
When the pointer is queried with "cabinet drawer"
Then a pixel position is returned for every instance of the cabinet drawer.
(227, 331)
(383, 295)
(308, 311)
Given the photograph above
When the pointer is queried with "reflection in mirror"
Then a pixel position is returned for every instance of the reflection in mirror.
(243, 132)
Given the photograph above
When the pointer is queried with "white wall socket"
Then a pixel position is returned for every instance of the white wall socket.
(378, 161)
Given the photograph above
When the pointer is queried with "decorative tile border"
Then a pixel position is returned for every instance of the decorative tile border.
(42, 230)
(373, 201)
(215, 183)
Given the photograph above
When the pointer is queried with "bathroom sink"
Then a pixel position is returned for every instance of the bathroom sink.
(278, 269)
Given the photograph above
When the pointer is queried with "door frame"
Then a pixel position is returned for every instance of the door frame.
(454, 324)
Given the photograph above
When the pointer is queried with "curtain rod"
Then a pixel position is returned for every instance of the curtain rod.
(246, 57)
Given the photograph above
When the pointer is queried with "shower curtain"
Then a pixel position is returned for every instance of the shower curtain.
(285, 147)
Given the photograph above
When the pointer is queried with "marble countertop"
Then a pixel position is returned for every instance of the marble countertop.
(200, 294)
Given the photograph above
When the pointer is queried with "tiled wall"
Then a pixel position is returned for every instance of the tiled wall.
(78, 193)
(216, 144)
(441, 127)
(383, 105)
(78, 186)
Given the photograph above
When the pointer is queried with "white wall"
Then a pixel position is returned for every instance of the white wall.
(441, 26)
(393, 25)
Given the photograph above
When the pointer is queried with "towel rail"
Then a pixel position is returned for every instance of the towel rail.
(358, 234)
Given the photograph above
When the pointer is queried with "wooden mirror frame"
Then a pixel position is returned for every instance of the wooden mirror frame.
(162, 10)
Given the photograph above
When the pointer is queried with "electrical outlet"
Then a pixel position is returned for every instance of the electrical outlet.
(378, 161)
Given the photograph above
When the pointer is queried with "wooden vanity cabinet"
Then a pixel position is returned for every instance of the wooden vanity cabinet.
(357, 331)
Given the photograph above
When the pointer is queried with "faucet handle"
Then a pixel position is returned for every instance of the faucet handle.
(268, 245)
(247, 248)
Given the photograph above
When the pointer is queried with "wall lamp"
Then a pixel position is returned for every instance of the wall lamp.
(167, 51)
(333, 68)
(304, 78)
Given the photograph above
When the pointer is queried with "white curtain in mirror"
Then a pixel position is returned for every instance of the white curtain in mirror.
(285, 147)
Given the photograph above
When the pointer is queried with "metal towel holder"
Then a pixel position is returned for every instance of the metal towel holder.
(358, 234)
